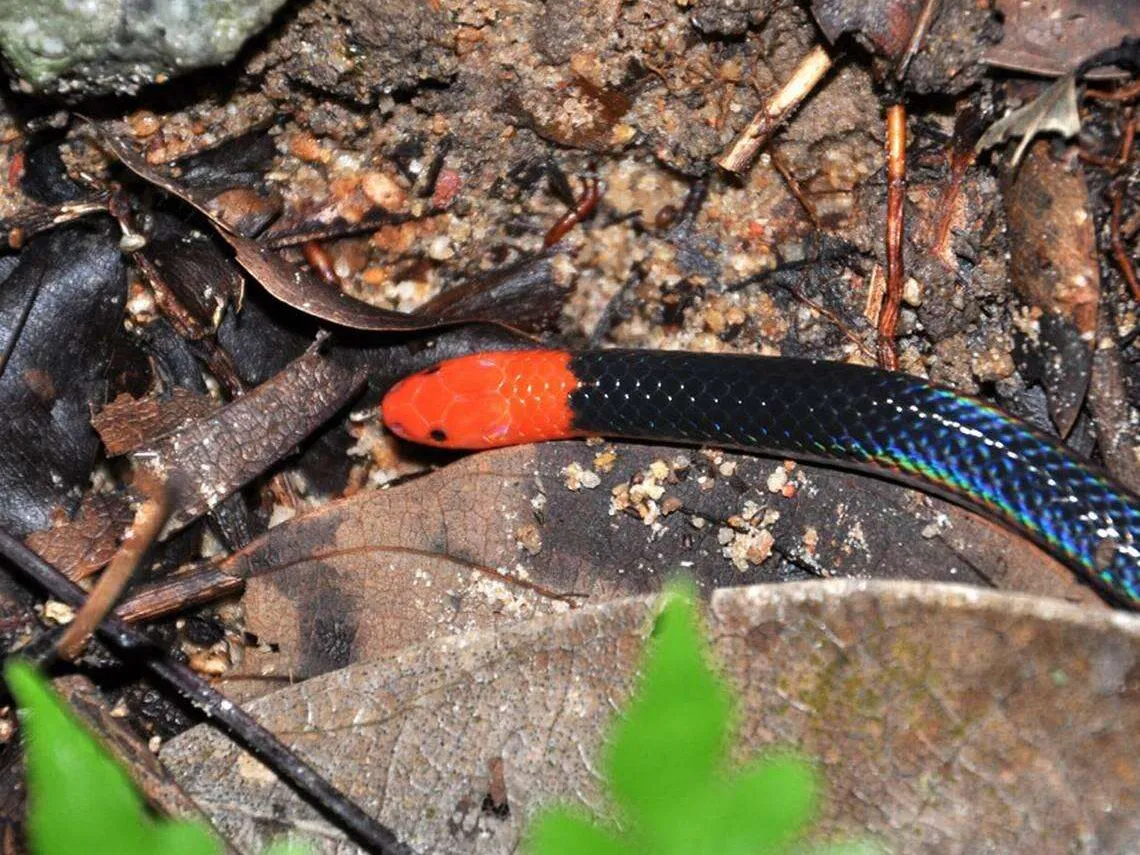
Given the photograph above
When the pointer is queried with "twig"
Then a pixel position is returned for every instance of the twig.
(916, 37)
(1125, 93)
(235, 722)
(178, 593)
(1127, 270)
(738, 156)
(795, 188)
(896, 195)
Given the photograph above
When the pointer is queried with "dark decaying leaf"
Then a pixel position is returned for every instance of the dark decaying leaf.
(52, 197)
(212, 457)
(1053, 37)
(364, 576)
(188, 268)
(937, 43)
(60, 312)
(237, 162)
(230, 178)
(595, 126)
(45, 179)
(177, 395)
(523, 295)
(1053, 266)
(886, 24)
(1010, 729)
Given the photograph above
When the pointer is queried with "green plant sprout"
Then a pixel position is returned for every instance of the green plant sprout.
(667, 768)
(79, 799)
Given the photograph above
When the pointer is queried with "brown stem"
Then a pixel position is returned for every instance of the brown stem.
(1125, 93)
(1127, 270)
(896, 196)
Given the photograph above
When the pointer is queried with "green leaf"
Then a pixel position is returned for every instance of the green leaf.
(667, 767)
(563, 832)
(672, 743)
(79, 800)
(765, 807)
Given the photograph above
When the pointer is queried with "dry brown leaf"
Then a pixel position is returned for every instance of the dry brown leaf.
(1054, 267)
(84, 544)
(368, 575)
(126, 423)
(945, 718)
(211, 457)
(1051, 37)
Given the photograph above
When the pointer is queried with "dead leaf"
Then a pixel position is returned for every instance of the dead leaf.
(60, 322)
(81, 546)
(1012, 728)
(365, 576)
(1054, 267)
(1052, 37)
(1054, 110)
(208, 459)
(127, 423)
(298, 287)
(192, 279)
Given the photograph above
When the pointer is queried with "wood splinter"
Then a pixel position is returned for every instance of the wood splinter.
(738, 156)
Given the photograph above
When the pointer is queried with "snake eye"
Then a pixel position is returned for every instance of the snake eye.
(439, 435)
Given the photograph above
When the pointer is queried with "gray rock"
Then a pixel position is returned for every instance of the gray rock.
(91, 47)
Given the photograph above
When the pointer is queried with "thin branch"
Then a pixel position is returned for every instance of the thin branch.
(1119, 253)
(896, 196)
(918, 34)
(235, 722)
(738, 156)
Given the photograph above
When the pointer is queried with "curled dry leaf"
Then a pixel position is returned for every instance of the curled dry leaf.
(1054, 267)
(365, 576)
(489, 299)
(1054, 110)
(994, 734)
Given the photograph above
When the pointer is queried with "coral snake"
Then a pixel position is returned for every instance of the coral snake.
(846, 415)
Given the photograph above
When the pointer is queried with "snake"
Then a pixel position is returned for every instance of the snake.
(851, 416)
